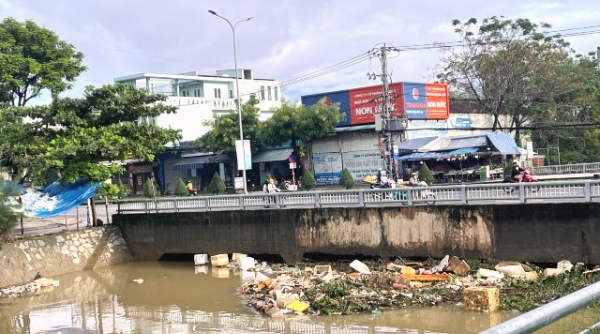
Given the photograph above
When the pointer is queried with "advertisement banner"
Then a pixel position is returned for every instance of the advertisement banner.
(365, 102)
(362, 163)
(340, 97)
(414, 103)
(438, 106)
(243, 155)
(424, 129)
(328, 168)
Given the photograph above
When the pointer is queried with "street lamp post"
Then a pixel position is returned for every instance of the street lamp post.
(237, 93)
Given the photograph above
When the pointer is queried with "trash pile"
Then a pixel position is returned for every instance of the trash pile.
(39, 285)
(325, 289)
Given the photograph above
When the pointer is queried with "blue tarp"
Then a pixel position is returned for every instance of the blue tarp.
(57, 199)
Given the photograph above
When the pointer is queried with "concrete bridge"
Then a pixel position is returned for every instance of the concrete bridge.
(542, 233)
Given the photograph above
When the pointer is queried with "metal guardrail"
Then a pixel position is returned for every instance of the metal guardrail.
(593, 167)
(485, 194)
(549, 313)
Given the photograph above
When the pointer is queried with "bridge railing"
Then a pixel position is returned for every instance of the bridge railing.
(486, 194)
(592, 167)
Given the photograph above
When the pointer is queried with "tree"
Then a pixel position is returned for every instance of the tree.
(216, 185)
(34, 59)
(149, 189)
(8, 210)
(224, 129)
(73, 136)
(296, 122)
(346, 180)
(308, 180)
(181, 189)
(575, 143)
(513, 69)
(425, 174)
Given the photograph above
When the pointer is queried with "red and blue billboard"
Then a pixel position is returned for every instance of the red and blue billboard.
(415, 100)
(425, 101)
(340, 97)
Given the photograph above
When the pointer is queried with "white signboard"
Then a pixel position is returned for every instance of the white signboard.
(362, 163)
(328, 167)
(422, 129)
(245, 156)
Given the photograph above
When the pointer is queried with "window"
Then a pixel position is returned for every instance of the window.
(217, 93)
(231, 93)
(195, 93)
(269, 92)
(185, 93)
(262, 93)
(276, 93)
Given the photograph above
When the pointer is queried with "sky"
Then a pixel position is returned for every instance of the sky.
(287, 40)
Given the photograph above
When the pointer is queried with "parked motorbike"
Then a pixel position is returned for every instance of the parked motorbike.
(285, 185)
(526, 177)
(251, 185)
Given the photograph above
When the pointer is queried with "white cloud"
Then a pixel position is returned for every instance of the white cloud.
(286, 40)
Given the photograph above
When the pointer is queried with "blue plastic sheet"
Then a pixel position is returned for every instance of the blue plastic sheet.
(56, 198)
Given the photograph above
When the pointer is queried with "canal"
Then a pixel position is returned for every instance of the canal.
(176, 297)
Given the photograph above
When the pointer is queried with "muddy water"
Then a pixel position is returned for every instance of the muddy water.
(176, 298)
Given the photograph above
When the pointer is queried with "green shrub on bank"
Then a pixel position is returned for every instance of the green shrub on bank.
(149, 189)
(425, 174)
(181, 189)
(308, 180)
(216, 185)
(8, 215)
(346, 180)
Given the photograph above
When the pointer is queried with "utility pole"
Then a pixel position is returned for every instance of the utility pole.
(390, 122)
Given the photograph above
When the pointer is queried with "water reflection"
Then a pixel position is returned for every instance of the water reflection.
(178, 298)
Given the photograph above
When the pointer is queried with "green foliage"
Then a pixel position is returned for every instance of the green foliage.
(149, 188)
(34, 59)
(514, 70)
(8, 214)
(346, 180)
(73, 136)
(308, 180)
(216, 185)
(425, 174)
(527, 295)
(224, 129)
(123, 190)
(297, 122)
(181, 189)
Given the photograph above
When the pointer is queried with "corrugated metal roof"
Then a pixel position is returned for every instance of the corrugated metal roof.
(420, 156)
(280, 154)
(414, 144)
(196, 162)
(504, 143)
(466, 142)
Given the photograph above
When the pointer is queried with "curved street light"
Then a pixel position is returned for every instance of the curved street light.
(237, 93)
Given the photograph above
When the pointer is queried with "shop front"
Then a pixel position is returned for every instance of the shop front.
(138, 174)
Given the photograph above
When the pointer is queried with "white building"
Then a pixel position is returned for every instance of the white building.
(199, 96)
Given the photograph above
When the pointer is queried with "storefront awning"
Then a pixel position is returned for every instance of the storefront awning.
(437, 155)
(504, 143)
(280, 154)
(198, 162)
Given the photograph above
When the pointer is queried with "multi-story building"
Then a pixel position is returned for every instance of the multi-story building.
(198, 98)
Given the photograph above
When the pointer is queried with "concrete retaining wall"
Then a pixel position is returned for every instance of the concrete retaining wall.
(61, 253)
(540, 233)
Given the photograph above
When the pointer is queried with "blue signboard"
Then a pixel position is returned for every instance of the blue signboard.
(341, 97)
(415, 104)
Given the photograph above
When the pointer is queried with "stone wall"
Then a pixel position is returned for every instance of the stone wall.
(61, 253)
(534, 232)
